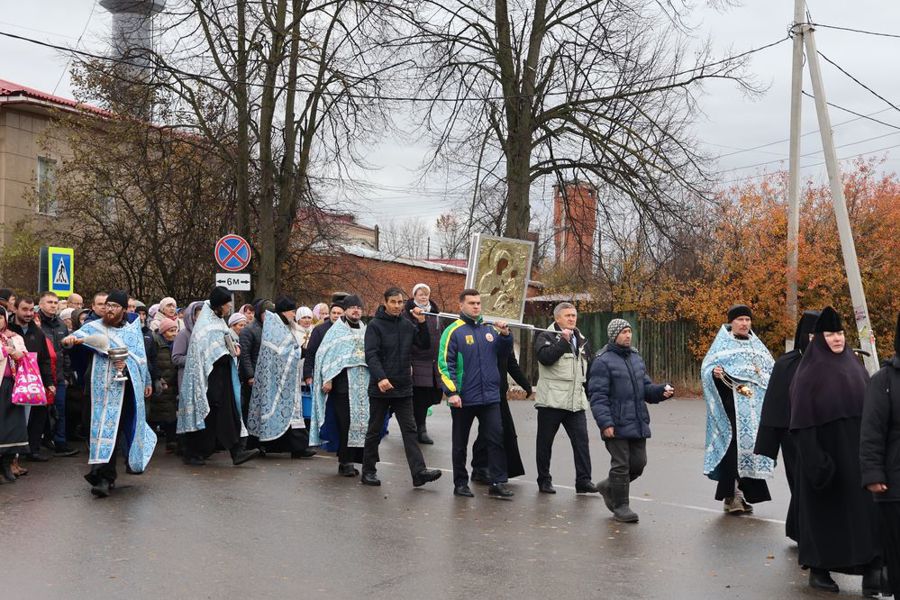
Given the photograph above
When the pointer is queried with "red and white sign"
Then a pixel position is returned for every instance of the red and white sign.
(232, 253)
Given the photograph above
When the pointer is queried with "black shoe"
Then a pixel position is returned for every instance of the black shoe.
(463, 490)
(499, 490)
(425, 476)
(239, 457)
(347, 470)
(424, 438)
(545, 487)
(821, 580)
(303, 454)
(100, 489)
(65, 451)
(586, 488)
(36, 457)
(480, 477)
(194, 461)
(370, 479)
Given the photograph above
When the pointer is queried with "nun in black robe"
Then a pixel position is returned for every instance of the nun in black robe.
(836, 518)
(879, 455)
(775, 421)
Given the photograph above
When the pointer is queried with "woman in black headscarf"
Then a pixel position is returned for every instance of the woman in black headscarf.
(836, 527)
(879, 454)
(775, 421)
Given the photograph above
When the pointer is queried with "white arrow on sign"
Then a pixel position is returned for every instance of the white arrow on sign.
(235, 282)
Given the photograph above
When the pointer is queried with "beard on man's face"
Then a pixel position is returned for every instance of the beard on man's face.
(113, 318)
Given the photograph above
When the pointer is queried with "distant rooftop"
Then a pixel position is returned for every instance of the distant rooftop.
(13, 92)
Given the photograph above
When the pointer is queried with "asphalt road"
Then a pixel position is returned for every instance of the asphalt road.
(281, 528)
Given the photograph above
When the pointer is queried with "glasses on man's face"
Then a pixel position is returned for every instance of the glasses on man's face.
(113, 306)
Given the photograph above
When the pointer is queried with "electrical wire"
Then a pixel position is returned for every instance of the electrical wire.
(853, 112)
(858, 82)
(851, 29)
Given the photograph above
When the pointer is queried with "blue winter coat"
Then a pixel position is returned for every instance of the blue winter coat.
(467, 361)
(618, 390)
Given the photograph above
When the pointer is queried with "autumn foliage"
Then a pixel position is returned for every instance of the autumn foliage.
(748, 253)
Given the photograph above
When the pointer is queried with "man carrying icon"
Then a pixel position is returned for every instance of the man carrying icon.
(120, 380)
(467, 361)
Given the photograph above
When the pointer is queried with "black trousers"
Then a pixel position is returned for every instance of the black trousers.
(107, 470)
(627, 457)
(341, 404)
(403, 410)
(549, 420)
(755, 490)
(37, 423)
(490, 429)
(223, 423)
(889, 513)
(423, 399)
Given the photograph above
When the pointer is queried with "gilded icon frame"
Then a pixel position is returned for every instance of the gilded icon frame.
(504, 293)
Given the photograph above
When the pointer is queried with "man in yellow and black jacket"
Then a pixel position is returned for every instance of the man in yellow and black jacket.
(467, 361)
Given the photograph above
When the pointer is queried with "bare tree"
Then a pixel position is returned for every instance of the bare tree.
(452, 236)
(281, 90)
(596, 90)
(405, 238)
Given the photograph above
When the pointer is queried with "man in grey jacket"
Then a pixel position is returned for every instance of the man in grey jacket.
(562, 354)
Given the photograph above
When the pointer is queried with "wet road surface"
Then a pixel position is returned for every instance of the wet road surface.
(281, 528)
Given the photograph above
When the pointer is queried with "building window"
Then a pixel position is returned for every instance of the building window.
(46, 186)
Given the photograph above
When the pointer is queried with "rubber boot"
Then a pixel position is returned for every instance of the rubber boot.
(603, 488)
(619, 487)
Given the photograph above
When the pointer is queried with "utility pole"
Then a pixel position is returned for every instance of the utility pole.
(793, 233)
(848, 247)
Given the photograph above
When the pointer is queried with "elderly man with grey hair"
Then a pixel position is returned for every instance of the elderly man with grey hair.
(563, 354)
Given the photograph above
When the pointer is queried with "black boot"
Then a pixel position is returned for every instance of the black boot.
(603, 488)
(871, 582)
(424, 438)
(101, 488)
(619, 487)
(6, 468)
(820, 579)
(425, 476)
(239, 456)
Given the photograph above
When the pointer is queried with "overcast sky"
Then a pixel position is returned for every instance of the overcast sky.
(731, 122)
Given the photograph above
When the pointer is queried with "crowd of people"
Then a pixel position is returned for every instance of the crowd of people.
(275, 377)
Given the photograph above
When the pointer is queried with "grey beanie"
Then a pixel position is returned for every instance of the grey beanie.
(616, 326)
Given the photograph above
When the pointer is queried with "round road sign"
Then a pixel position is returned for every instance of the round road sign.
(232, 253)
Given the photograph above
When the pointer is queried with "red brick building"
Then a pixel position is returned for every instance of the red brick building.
(575, 225)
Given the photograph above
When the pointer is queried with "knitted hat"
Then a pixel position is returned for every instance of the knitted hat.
(167, 324)
(739, 310)
(419, 286)
(304, 311)
(66, 313)
(616, 326)
(236, 318)
(120, 297)
(284, 304)
(219, 296)
(352, 300)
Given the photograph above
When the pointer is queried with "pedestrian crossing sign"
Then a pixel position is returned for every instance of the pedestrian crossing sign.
(61, 271)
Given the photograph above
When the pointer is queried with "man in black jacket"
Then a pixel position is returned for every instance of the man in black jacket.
(35, 342)
(55, 330)
(389, 339)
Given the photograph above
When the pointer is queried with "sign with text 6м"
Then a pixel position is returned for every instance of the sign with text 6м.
(58, 270)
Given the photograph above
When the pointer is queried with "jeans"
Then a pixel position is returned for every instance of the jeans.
(59, 436)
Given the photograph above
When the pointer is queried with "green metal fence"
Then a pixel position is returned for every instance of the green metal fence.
(663, 345)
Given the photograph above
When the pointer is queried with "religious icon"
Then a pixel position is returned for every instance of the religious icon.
(499, 268)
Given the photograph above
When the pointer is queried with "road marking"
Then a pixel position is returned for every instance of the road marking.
(639, 498)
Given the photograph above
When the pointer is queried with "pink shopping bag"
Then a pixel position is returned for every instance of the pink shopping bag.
(28, 388)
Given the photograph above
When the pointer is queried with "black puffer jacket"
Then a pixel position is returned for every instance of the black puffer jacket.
(163, 404)
(389, 340)
(879, 440)
(251, 340)
(55, 330)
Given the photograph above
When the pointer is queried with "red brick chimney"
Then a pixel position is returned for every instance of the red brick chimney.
(574, 225)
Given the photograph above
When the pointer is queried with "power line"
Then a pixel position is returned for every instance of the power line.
(851, 29)
(853, 112)
(858, 82)
(361, 96)
(78, 41)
